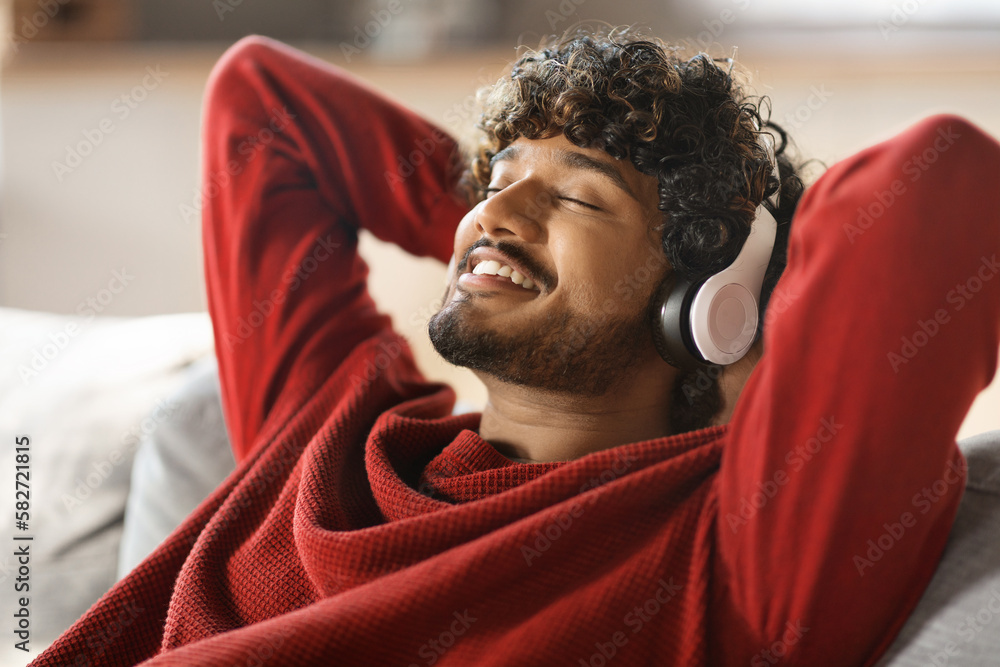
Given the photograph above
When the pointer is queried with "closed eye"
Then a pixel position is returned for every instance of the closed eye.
(490, 191)
(581, 203)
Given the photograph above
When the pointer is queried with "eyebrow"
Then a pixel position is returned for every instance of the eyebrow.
(573, 160)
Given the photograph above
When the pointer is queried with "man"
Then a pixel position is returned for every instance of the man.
(586, 516)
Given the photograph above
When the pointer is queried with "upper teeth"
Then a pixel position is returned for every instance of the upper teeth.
(491, 267)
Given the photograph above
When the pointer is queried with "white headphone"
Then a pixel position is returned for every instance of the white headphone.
(715, 320)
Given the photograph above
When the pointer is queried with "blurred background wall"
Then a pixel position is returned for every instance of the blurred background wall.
(100, 160)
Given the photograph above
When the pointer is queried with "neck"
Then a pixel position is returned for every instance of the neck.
(732, 381)
(534, 425)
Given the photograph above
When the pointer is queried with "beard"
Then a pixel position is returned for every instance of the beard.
(570, 353)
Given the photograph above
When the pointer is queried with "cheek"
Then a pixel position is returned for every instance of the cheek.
(589, 266)
(624, 282)
(591, 289)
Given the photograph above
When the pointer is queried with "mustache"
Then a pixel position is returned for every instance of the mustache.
(516, 253)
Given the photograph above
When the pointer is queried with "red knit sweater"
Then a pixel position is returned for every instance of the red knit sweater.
(366, 526)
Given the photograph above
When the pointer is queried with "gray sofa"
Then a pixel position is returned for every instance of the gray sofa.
(128, 437)
(957, 622)
(89, 393)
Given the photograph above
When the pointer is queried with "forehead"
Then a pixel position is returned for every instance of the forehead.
(559, 152)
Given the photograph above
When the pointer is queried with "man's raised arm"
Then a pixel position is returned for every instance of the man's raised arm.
(840, 482)
(298, 155)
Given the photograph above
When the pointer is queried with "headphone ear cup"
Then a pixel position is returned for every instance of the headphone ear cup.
(671, 323)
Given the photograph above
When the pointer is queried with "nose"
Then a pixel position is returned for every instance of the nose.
(517, 210)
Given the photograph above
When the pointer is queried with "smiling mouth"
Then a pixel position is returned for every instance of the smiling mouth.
(492, 267)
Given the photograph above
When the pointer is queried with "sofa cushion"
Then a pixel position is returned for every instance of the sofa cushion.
(957, 622)
(88, 397)
(84, 391)
(182, 462)
(177, 465)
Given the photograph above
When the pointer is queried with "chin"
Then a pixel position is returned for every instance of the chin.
(569, 353)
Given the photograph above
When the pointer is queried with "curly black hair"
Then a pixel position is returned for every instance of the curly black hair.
(685, 120)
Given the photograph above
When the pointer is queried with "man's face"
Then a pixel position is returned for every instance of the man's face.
(581, 229)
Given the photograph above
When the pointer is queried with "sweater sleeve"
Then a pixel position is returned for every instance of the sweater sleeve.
(298, 155)
(841, 477)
